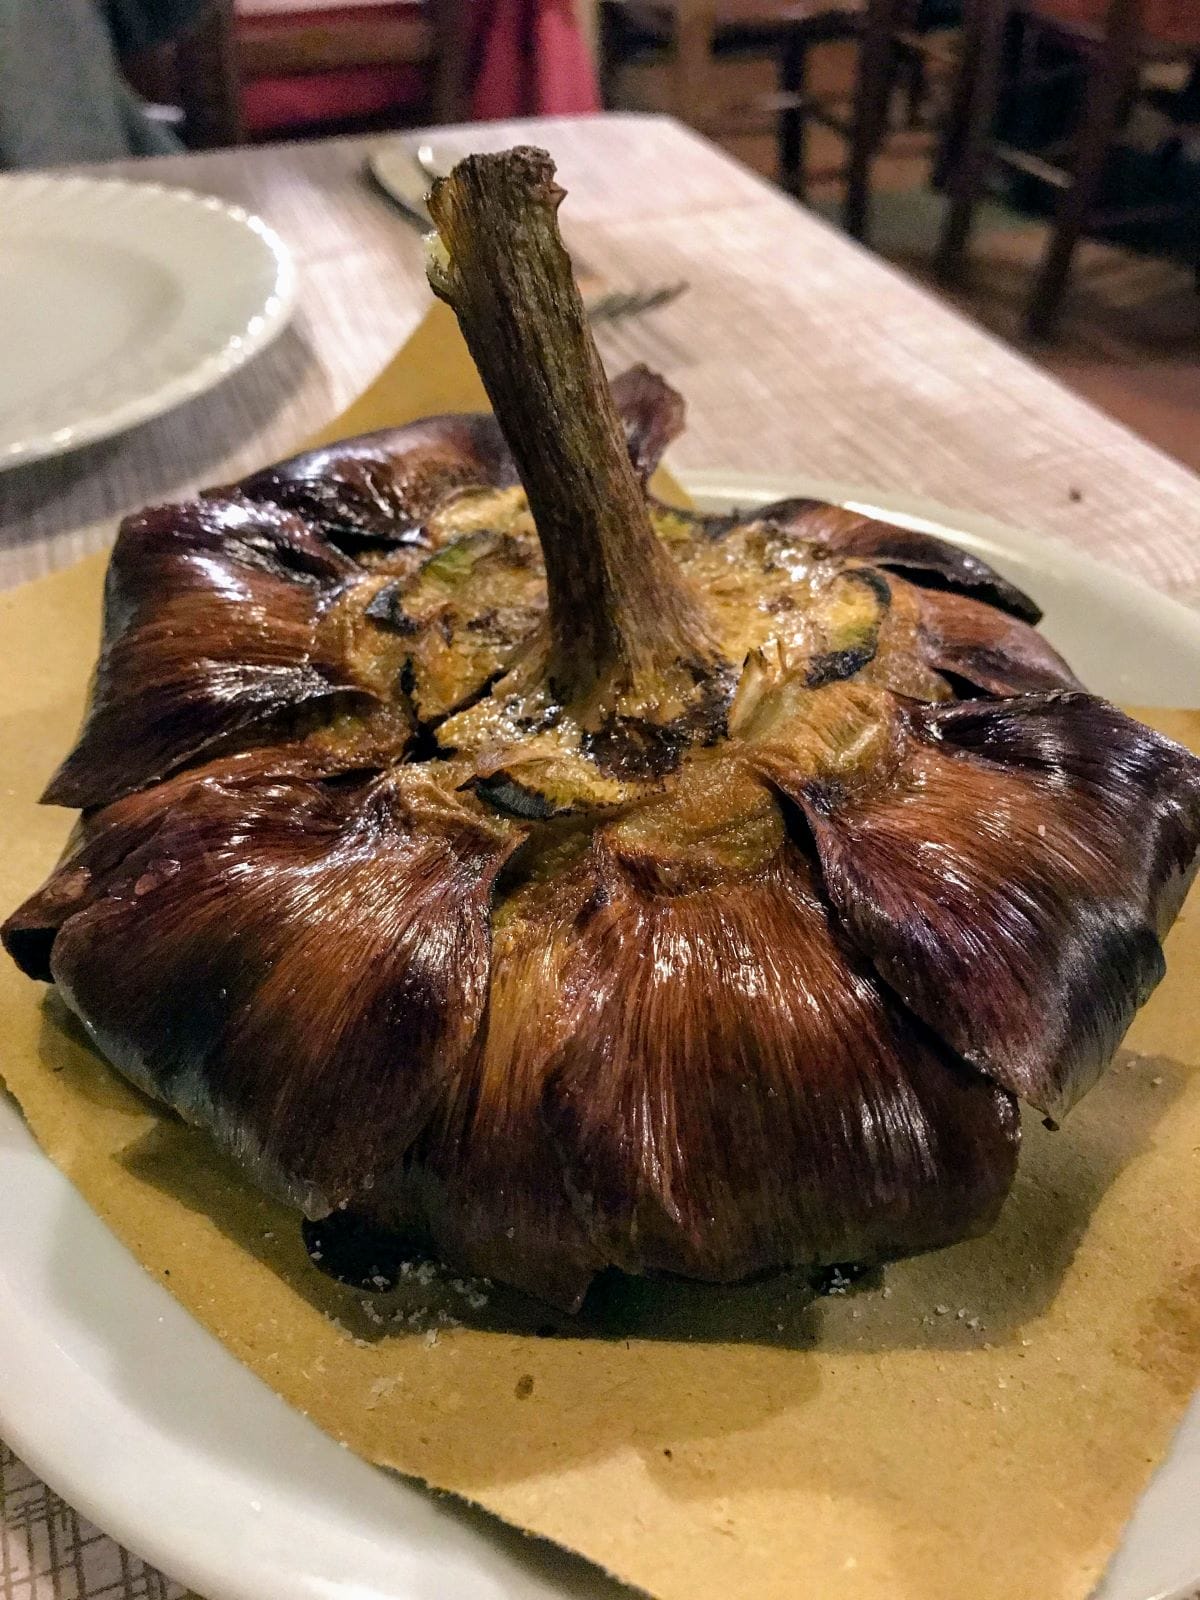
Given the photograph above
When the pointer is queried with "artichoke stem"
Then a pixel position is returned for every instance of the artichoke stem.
(621, 616)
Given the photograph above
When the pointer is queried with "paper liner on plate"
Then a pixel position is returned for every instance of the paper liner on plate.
(977, 1423)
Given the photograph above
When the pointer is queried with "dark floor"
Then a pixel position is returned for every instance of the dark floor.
(1130, 334)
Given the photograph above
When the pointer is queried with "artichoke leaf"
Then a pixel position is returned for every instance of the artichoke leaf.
(223, 624)
(992, 652)
(298, 966)
(922, 557)
(735, 1091)
(381, 489)
(1009, 871)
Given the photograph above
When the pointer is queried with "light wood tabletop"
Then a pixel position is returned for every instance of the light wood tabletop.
(797, 351)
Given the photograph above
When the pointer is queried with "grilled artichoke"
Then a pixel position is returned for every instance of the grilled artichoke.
(558, 880)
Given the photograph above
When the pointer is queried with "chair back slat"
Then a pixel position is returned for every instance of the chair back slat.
(227, 49)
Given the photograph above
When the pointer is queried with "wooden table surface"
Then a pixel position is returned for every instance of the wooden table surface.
(797, 352)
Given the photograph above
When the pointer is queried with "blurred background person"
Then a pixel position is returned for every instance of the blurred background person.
(63, 93)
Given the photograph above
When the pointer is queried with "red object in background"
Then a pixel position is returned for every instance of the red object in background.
(529, 58)
(532, 60)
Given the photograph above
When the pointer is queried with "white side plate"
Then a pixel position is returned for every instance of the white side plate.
(143, 1421)
(120, 300)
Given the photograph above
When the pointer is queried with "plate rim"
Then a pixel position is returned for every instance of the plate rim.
(240, 346)
(217, 1566)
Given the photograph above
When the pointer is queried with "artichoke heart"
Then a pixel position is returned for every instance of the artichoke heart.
(551, 879)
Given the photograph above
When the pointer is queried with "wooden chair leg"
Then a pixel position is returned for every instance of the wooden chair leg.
(983, 49)
(452, 23)
(1106, 100)
(952, 135)
(610, 25)
(793, 120)
(206, 68)
(694, 29)
(916, 88)
(872, 98)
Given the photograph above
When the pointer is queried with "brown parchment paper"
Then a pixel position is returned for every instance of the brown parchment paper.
(974, 1425)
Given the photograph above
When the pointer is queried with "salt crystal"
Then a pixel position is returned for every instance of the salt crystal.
(942, 1311)
(380, 1389)
(431, 1337)
(886, 1291)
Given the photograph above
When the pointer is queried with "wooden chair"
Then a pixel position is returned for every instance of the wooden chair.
(897, 36)
(1116, 38)
(699, 32)
(894, 43)
(223, 66)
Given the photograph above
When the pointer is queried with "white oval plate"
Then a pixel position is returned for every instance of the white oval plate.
(150, 1427)
(120, 300)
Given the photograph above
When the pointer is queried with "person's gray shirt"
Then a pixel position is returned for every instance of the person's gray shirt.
(62, 96)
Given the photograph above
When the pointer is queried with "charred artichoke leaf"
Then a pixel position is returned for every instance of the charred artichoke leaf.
(379, 488)
(992, 652)
(734, 1091)
(1008, 867)
(652, 414)
(657, 1086)
(110, 840)
(298, 967)
(922, 557)
(224, 622)
(485, 1184)
(382, 488)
